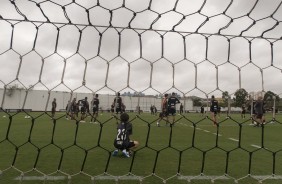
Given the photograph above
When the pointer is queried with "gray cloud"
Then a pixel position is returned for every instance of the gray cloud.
(173, 50)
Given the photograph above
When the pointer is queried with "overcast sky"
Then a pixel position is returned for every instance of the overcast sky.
(140, 52)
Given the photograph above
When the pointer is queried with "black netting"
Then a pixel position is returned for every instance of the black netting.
(143, 49)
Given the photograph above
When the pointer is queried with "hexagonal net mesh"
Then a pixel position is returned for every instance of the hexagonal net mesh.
(75, 48)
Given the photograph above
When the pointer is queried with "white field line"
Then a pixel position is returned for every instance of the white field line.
(258, 177)
(117, 178)
(270, 177)
(198, 177)
(232, 139)
(204, 177)
(207, 131)
(40, 178)
(257, 146)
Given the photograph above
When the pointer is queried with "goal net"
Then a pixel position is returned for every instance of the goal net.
(68, 49)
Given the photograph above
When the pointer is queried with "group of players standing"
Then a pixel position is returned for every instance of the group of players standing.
(168, 107)
(73, 108)
(257, 111)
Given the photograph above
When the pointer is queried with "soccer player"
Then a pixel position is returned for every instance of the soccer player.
(214, 109)
(84, 109)
(122, 141)
(171, 106)
(243, 112)
(263, 111)
(259, 111)
(163, 113)
(152, 110)
(112, 109)
(54, 105)
(73, 108)
(181, 109)
(155, 110)
(95, 107)
(117, 103)
(202, 110)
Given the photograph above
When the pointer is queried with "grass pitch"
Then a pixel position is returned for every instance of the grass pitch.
(41, 150)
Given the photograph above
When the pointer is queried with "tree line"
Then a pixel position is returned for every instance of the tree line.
(242, 97)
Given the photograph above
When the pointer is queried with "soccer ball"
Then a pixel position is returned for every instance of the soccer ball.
(4, 116)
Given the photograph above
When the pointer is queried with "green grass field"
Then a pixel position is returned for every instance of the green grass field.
(40, 150)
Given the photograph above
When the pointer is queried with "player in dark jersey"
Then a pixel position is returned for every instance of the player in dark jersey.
(54, 105)
(84, 109)
(117, 103)
(181, 109)
(243, 112)
(214, 109)
(73, 108)
(163, 112)
(152, 110)
(95, 107)
(202, 110)
(122, 141)
(259, 111)
(171, 106)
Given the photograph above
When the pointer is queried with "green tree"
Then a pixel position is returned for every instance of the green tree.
(197, 101)
(10, 89)
(269, 98)
(241, 96)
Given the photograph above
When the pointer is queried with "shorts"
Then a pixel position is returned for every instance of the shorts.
(162, 114)
(214, 112)
(95, 110)
(123, 145)
(53, 110)
(171, 111)
(83, 110)
(259, 116)
(118, 109)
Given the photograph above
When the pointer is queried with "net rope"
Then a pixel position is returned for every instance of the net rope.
(175, 11)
